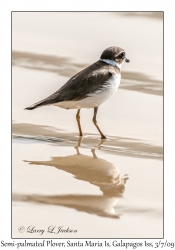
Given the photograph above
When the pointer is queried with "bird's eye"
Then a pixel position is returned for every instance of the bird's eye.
(122, 55)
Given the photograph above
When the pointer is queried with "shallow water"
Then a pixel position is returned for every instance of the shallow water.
(97, 188)
(88, 185)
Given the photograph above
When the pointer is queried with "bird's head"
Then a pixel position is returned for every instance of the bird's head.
(115, 56)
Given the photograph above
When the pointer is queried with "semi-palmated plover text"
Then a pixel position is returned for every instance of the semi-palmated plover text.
(90, 87)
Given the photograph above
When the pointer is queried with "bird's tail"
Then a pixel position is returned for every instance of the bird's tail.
(36, 105)
(49, 100)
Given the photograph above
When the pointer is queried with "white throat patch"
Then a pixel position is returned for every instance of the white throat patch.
(111, 62)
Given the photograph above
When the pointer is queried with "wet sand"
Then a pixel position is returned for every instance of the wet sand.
(111, 188)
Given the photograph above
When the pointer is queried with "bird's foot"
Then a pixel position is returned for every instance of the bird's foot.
(103, 137)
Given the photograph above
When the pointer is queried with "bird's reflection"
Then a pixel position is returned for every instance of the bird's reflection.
(94, 170)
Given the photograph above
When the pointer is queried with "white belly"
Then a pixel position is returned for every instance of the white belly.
(95, 99)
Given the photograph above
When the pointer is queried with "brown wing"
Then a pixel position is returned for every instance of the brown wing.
(80, 85)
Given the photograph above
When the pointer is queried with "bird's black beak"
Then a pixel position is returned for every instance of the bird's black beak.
(127, 60)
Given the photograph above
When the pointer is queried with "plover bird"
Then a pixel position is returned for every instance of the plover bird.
(90, 87)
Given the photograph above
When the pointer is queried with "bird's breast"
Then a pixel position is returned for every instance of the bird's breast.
(107, 89)
(113, 83)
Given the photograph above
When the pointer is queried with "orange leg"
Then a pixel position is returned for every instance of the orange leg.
(78, 122)
(95, 123)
